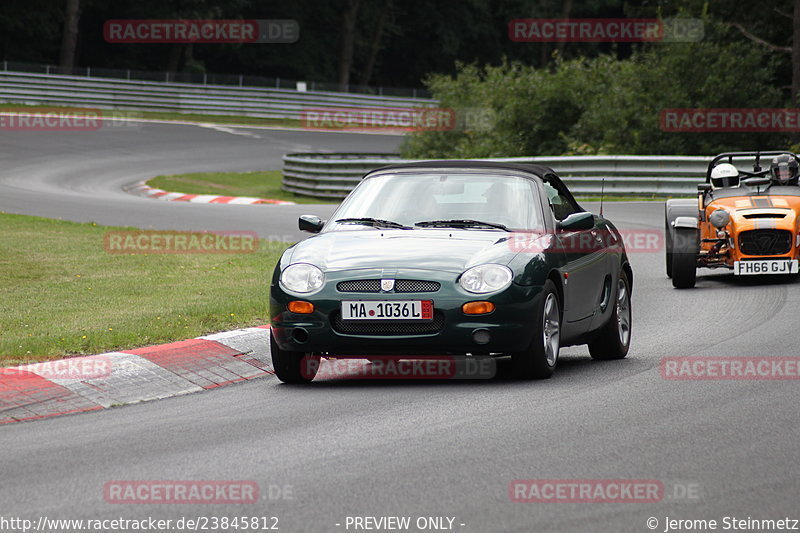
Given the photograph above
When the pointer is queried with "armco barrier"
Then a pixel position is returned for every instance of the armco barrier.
(104, 93)
(334, 175)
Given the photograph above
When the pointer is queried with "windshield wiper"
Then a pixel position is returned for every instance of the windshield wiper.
(374, 222)
(460, 223)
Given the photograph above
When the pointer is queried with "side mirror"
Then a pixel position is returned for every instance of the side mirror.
(756, 182)
(577, 221)
(310, 223)
(703, 187)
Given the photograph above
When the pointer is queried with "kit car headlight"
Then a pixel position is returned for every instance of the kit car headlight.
(485, 278)
(719, 218)
(302, 278)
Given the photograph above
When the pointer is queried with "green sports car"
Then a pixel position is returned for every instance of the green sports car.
(457, 258)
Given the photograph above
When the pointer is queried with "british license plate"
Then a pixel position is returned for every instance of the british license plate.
(772, 266)
(387, 310)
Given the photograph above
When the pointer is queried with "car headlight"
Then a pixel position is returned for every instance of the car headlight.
(302, 278)
(719, 218)
(485, 278)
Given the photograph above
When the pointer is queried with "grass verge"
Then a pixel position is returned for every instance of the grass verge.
(261, 184)
(62, 294)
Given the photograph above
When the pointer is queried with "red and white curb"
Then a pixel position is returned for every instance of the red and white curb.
(95, 382)
(142, 189)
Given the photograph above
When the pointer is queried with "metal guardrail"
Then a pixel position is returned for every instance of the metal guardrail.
(335, 175)
(135, 95)
(210, 78)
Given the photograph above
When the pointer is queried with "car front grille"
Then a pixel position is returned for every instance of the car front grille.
(765, 242)
(413, 285)
(359, 285)
(388, 327)
(400, 285)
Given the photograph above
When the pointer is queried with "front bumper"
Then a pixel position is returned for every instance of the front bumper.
(510, 325)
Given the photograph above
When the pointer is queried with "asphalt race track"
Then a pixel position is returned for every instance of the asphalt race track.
(79, 175)
(401, 448)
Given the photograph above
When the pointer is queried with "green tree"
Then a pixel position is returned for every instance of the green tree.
(605, 105)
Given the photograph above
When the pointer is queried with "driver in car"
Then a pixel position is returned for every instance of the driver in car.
(784, 170)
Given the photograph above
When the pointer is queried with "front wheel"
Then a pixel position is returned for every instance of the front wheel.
(539, 360)
(685, 247)
(668, 247)
(293, 367)
(614, 337)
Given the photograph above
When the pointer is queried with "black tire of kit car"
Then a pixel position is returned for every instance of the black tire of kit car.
(668, 246)
(685, 247)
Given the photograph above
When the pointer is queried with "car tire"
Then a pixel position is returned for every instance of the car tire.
(614, 338)
(668, 246)
(293, 367)
(539, 360)
(685, 247)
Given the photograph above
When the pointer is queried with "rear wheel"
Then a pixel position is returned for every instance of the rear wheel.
(293, 367)
(685, 247)
(614, 338)
(539, 360)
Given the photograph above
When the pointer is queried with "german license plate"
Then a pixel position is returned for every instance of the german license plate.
(771, 266)
(387, 310)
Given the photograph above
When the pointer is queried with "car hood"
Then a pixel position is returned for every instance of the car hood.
(428, 249)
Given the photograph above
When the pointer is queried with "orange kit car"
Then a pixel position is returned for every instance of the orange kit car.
(747, 223)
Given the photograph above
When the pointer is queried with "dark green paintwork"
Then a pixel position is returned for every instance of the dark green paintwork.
(423, 254)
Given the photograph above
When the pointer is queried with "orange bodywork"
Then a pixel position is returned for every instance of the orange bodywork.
(751, 213)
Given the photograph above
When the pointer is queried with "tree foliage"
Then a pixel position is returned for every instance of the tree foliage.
(530, 98)
(605, 105)
(417, 37)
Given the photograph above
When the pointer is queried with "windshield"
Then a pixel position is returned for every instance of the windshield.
(408, 199)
